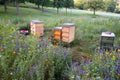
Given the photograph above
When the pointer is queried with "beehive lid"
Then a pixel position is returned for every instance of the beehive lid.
(108, 34)
(69, 25)
(58, 28)
(36, 21)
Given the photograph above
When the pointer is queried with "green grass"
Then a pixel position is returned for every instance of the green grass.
(88, 27)
(27, 4)
(49, 58)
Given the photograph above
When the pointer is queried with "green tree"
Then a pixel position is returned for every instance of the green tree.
(79, 4)
(68, 4)
(110, 5)
(31, 1)
(94, 5)
(5, 3)
(42, 3)
(58, 4)
(17, 4)
(38, 3)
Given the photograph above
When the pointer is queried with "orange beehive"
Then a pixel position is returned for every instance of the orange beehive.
(68, 32)
(37, 27)
(58, 33)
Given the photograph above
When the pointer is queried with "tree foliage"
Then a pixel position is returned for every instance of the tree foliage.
(42, 3)
(94, 4)
(68, 4)
(58, 4)
(19, 1)
(79, 4)
(4, 2)
(110, 5)
(32, 1)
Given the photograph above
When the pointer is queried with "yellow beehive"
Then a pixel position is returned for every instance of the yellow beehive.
(68, 32)
(58, 33)
(37, 27)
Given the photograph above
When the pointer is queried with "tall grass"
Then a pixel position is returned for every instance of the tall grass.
(29, 57)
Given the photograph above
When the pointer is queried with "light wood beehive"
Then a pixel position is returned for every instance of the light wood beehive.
(37, 27)
(68, 32)
(58, 33)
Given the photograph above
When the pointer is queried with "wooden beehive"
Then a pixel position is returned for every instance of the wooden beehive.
(58, 33)
(37, 27)
(107, 40)
(68, 32)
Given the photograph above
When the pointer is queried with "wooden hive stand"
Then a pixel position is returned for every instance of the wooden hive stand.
(58, 33)
(37, 27)
(68, 32)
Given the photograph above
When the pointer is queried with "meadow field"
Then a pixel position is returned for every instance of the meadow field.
(37, 58)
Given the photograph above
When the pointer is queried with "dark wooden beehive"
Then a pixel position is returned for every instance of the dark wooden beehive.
(58, 33)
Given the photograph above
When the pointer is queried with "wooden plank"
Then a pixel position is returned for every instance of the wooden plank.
(57, 37)
(65, 29)
(57, 33)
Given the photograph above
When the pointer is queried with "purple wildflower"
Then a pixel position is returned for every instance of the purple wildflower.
(65, 54)
(88, 62)
(82, 71)
(110, 73)
(109, 69)
(106, 78)
(38, 46)
(17, 70)
(31, 72)
(101, 51)
(118, 60)
(33, 67)
(88, 78)
(118, 71)
(104, 68)
(78, 77)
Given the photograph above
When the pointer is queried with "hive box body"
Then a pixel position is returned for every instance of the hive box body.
(68, 32)
(37, 27)
(58, 33)
(107, 39)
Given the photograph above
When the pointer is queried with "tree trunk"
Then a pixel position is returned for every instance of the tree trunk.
(94, 12)
(17, 6)
(66, 11)
(42, 8)
(57, 10)
(38, 6)
(5, 6)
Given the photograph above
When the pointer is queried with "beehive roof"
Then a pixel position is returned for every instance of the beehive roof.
(36, 21)
(108, 34)
(58, 28)
(69, 24)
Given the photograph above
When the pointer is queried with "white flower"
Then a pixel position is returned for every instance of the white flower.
(11, 73)
(72, 76)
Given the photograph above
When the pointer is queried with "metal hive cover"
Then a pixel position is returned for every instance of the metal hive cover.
(36, 21)
(108, 34)
(69, 24)
(58, 28)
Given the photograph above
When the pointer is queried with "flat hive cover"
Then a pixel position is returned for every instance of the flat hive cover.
(58, 28)
(69, 24)
(36, 21)
(108, 34)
